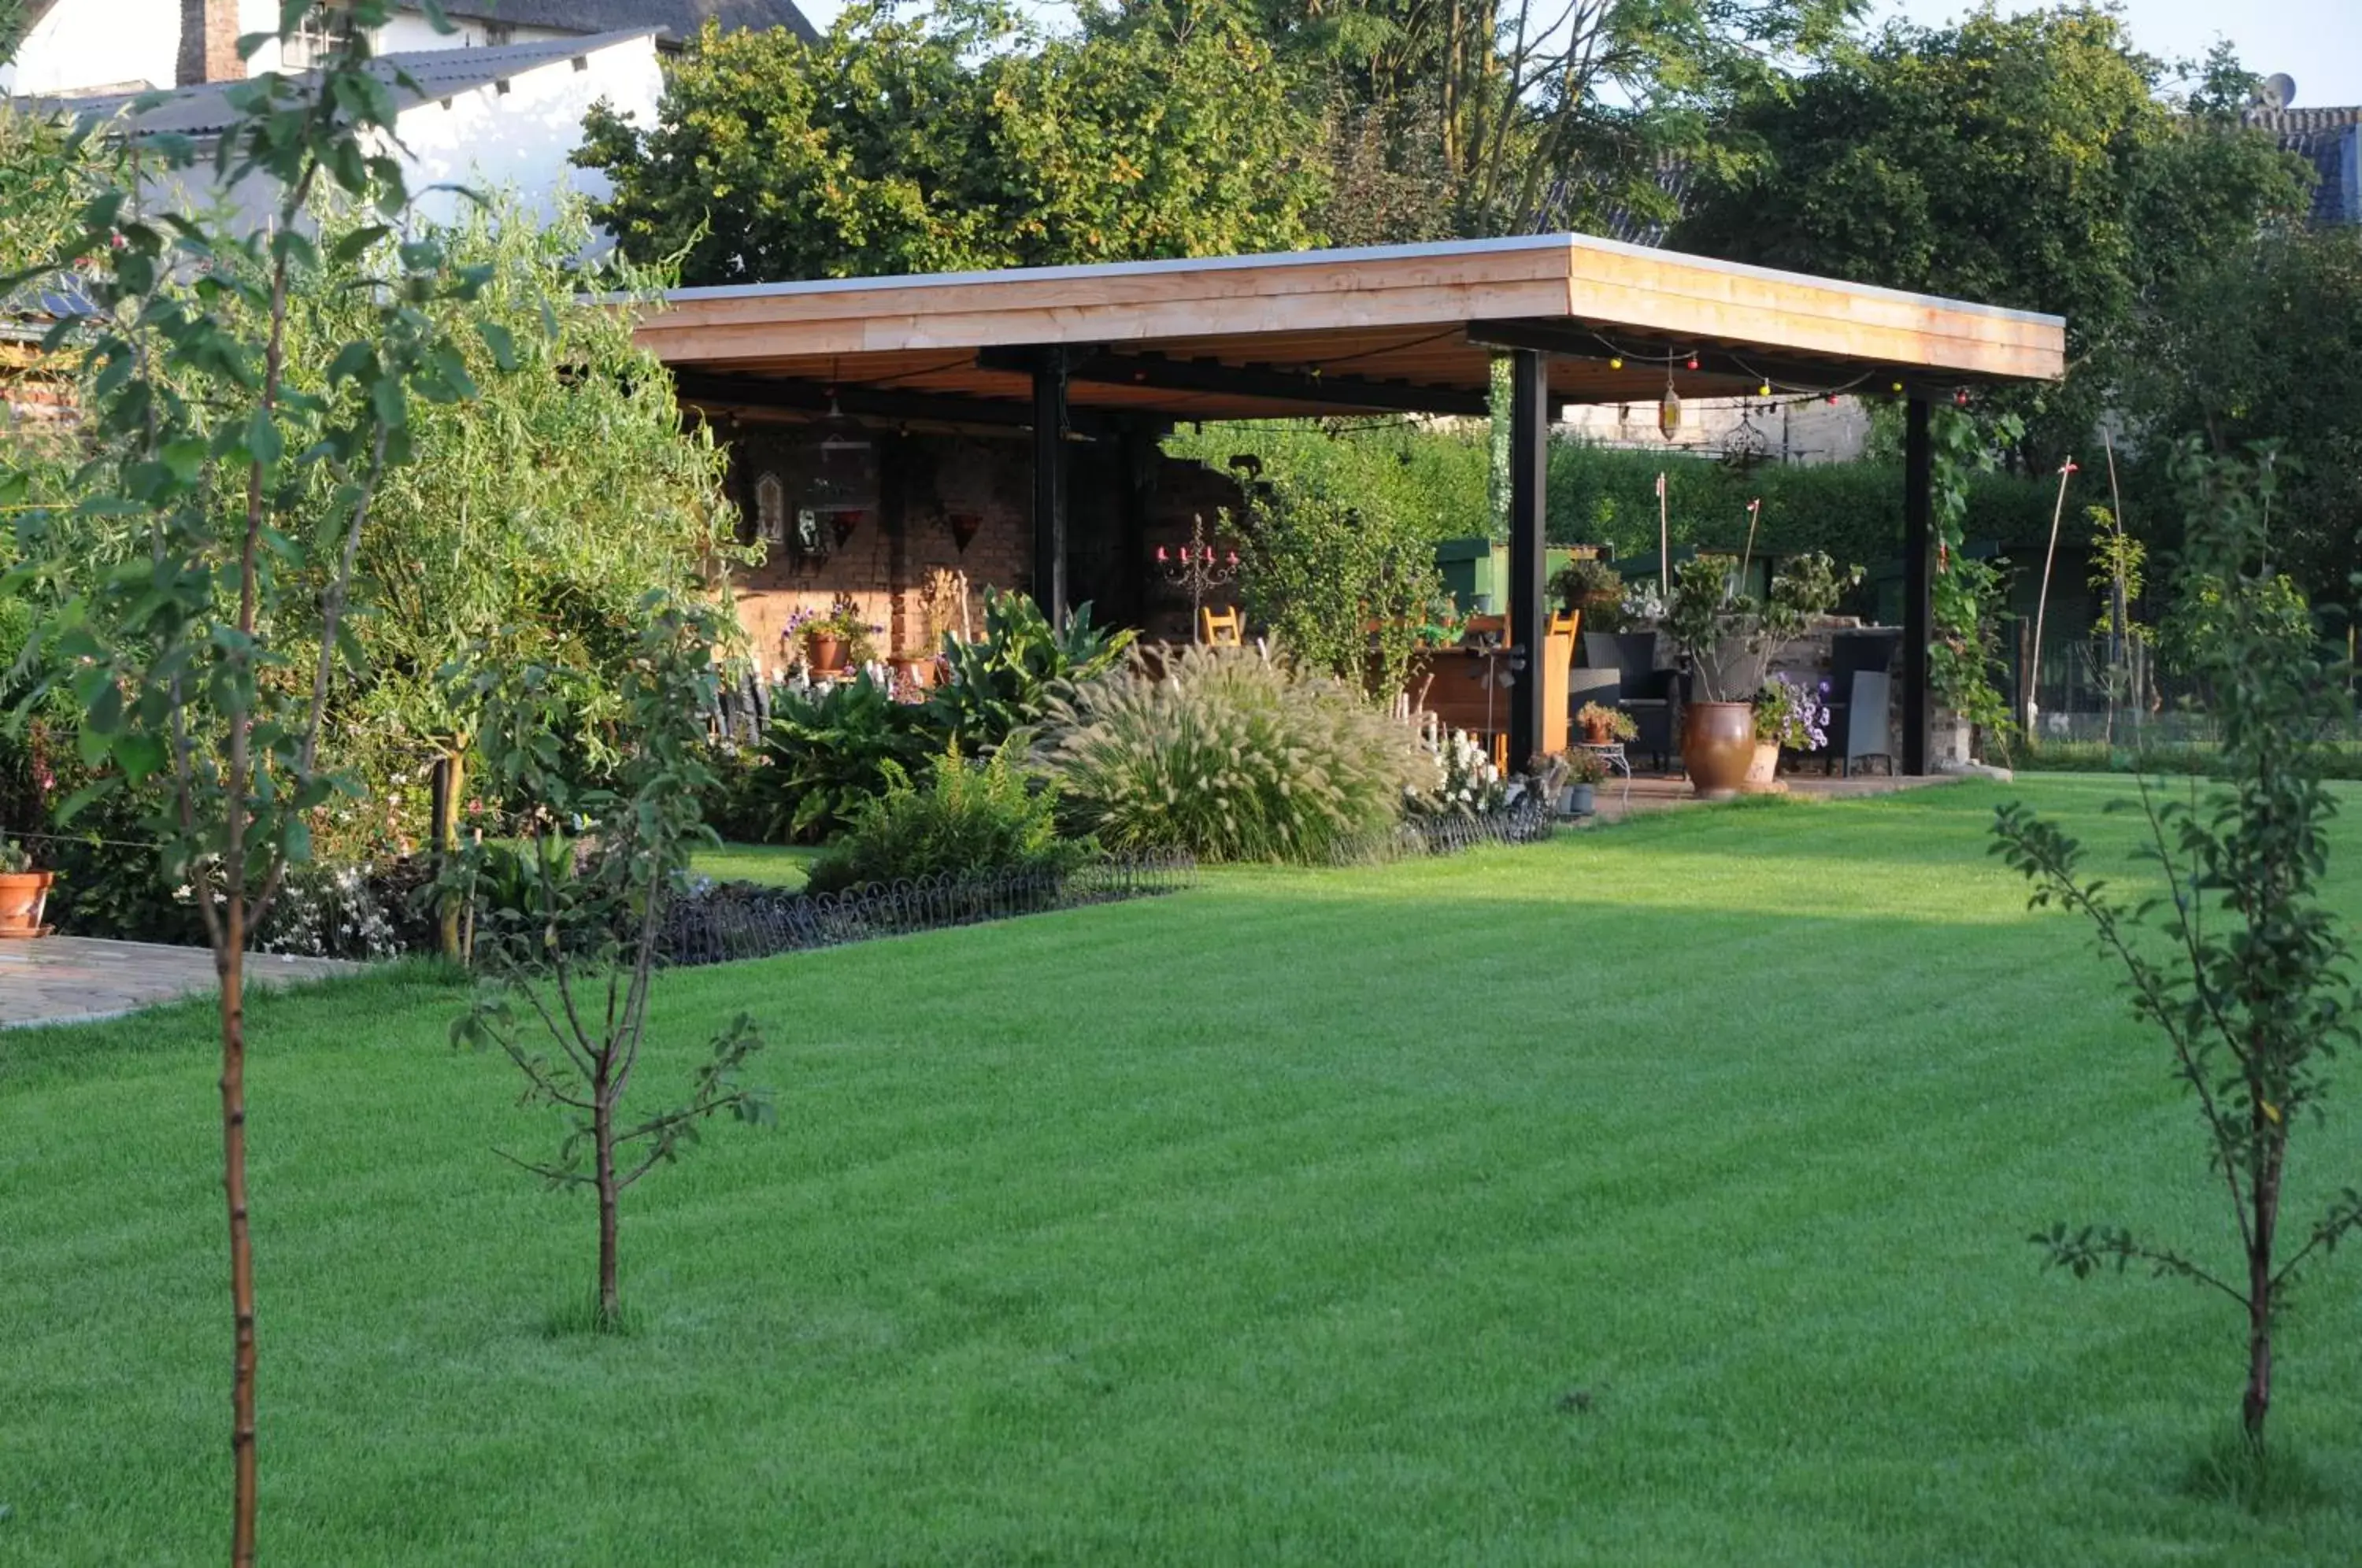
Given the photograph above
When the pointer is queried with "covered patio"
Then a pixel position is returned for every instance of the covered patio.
(1112, 356)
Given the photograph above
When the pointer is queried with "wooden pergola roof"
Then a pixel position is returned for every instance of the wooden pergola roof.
(1410, 328)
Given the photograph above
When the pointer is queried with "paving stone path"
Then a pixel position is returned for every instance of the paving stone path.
(65, 979)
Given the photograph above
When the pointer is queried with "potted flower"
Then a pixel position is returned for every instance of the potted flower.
(24, 892)
(1594, 588)
(839, 639)
(1788, 715)
(1586, 771)
(1728, 639)
(1604, 725)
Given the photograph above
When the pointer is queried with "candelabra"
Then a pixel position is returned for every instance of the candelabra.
(1197, 570)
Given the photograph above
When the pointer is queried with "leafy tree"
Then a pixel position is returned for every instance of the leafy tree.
(1475, 117)
(2033, 161)
(958, 138)
(207, 659)
(1318, 573)
(2263, 342)
(539, 515)
(581, 951)
(2253, 988)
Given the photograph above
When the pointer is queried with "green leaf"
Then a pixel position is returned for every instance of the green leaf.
(501, 342)
(262, 438)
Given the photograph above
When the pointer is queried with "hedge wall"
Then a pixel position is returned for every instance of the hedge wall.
(1604, 495)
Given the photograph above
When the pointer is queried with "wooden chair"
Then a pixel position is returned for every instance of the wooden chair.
(1566, 626)
(1221, 628)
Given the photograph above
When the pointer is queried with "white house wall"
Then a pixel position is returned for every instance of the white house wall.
(409, 31)
(97, 43)
(85, 44)
(523, 137)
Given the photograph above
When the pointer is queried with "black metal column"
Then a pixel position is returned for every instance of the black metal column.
(1919, 592)
(1050, 485)
(1529, 483)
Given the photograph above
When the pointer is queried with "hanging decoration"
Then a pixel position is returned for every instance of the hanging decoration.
(964, 526)
(1669, 410)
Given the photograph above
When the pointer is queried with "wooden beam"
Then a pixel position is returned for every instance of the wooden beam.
(1918, 583)
(706, 388)
(1579, 340)
(1530, 419)
(1266, 382)
(1050, 485)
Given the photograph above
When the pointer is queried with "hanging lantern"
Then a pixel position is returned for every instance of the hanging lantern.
(1669, 412)
(843, 485)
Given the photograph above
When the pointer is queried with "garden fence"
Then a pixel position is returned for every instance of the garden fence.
(724, 925)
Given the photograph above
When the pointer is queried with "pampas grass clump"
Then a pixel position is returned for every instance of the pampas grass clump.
(1231, 756)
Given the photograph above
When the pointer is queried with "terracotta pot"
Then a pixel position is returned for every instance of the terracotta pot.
(1596, 734)
(825, 649)
(23, 895)
(1717, 746)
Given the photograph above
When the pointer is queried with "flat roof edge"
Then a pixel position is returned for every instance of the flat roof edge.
(1377, 253)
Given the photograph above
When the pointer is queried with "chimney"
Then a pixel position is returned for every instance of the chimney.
(208, 43)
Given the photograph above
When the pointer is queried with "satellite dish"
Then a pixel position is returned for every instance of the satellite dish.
(2277, 91)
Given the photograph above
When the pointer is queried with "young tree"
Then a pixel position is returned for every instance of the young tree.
(954, 139)
(205, 658)
(2253, 988)
(580, 954)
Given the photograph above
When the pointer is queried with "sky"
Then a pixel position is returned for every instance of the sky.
(2318, 42)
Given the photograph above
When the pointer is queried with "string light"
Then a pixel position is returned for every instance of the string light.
(1763, 390)
(1692, 363)
(1615, 361)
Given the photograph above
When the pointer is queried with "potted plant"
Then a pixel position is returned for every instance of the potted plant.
(1790, 715)
(1604, 725)
(1594, 588)
(1729, 638)
(841, 639)
(1586, 771)
(24, 892)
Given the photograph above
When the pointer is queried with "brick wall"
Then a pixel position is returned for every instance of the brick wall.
(914, 486)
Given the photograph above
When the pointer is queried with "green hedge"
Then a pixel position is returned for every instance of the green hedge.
(1440, 478)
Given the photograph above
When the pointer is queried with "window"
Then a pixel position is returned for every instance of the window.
(323, 30)
(497, 34)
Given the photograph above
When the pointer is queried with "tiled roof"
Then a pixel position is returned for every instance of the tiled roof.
(676, 19)
(2331, 140)
(439, 73)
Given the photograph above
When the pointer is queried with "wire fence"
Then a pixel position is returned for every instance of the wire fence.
(735, 922)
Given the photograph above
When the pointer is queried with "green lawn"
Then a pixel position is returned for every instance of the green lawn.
(1269, 1223)
(777, 865)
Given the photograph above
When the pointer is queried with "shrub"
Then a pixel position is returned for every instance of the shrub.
(968, 820)
(1005, 681)
(1230, 755)
(826, 753)
(1320, 572)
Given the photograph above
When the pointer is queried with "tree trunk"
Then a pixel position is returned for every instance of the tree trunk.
(230, 963)
(2257, 1402)
(449, 773)
(611, 1305)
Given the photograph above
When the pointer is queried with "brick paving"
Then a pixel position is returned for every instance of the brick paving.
(66, 979)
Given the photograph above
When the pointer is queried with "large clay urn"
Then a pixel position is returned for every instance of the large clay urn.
(1717, 745)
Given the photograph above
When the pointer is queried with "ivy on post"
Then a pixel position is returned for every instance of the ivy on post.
(198, 595)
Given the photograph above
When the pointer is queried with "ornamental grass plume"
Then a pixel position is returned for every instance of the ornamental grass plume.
(1230, 754)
